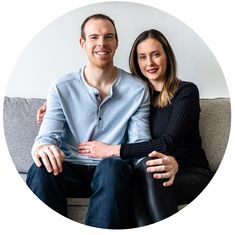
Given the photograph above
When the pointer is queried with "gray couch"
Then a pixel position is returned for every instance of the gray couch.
(21, 129)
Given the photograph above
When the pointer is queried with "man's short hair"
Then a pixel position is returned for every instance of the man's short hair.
(97, 17)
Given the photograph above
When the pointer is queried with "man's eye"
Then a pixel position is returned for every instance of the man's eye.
(109, 37)
(93, 37)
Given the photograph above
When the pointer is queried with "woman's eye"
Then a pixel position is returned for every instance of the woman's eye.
(142, 57)
(156, 55)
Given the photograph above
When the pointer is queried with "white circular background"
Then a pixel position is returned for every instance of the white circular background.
(21, 20)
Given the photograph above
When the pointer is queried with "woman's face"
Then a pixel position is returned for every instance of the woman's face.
(152, 60)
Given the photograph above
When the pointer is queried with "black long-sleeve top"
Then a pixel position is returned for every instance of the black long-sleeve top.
(174, 129)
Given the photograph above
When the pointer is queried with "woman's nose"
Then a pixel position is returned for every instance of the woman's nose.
(149, 61)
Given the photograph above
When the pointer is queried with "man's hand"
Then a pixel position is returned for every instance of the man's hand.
(98, 149)
(51, 157)
(163, 167)
(41, 112)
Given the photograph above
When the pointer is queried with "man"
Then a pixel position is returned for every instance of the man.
(97, 102)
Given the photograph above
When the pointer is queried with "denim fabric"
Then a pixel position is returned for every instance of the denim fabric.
(107, 184)
(109, 203)
(74, 181)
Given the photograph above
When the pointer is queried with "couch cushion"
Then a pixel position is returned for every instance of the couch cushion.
(215, 121)
(21, 128)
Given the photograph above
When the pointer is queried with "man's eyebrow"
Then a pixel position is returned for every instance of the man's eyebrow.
(95, 34)
(110, 34)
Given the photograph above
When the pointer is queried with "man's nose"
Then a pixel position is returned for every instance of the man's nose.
(101, 41)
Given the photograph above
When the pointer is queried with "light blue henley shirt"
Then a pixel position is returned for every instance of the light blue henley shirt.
(76, 114)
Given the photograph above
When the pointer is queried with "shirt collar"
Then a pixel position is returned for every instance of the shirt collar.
(95, 91)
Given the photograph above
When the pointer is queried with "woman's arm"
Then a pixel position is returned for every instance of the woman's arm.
(162, 166)
(184, 116)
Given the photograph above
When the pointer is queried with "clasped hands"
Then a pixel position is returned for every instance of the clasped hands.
(162, 166)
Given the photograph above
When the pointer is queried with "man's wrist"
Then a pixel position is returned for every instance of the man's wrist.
(115, 150)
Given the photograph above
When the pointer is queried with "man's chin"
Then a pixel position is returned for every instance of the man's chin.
(104, 64)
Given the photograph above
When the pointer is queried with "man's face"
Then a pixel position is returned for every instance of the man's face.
(100, 42)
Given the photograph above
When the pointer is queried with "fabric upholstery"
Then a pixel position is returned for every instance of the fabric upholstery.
(19, 117)
(215, 121)
(21, 128)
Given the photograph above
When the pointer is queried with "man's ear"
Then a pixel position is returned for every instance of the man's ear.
(82, 42)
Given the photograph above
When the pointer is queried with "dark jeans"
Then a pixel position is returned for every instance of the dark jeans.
(114, 187)
(109, 203)
(152, 202)
(107, 184)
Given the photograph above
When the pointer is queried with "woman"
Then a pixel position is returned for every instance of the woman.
(161, 182)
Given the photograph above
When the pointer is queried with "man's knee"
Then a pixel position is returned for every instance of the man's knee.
(48, 188)
(113, 166)
(35, 172)
(112, 172)
(39, 177)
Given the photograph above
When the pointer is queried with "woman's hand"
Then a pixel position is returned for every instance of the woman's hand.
(41, 112)
(97, 149)
(163, 167)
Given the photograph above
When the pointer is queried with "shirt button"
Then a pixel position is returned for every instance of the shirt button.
(100, 118)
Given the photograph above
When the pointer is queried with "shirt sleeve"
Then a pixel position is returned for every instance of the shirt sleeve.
(138, 127)
(185, 114)
(51, 129)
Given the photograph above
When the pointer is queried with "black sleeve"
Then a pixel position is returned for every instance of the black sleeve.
(185, 114)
